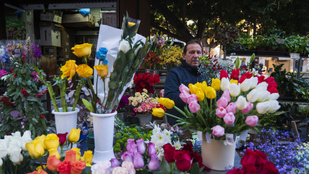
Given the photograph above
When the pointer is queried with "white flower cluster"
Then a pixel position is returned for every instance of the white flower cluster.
(12, 146)
(139, 98)
(160, 138)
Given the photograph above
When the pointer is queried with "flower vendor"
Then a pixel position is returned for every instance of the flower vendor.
(186, 73)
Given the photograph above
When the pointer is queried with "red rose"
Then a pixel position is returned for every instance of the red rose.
(64, 167)
(267, 167)
(249, 169)
(235, 171)
(223, 74)
(197, 158)
(188, 147)
(183, 160)
(62, 138)
(255, 158)
(169, 152)
(235, 74)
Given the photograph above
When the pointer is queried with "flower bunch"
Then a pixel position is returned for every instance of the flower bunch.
(113, 166)
(152, 59)
(226, 34)
(123, 102)
(2, 82)
(242, 104)
(139, 98)
(302, 154)
(145, 81)
(171, 56)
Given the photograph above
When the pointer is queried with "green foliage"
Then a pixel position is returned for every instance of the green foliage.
(26, 165)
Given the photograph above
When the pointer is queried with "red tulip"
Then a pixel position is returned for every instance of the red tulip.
(223, 74)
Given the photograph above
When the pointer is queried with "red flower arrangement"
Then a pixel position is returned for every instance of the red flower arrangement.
(145, 81)
(152, 59)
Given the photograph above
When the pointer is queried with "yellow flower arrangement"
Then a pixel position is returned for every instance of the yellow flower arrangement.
(171, 56)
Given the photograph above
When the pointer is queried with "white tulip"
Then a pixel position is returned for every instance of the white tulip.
(234, 90)
(262, 86)
(253, 83)
(3, 149)
(252, 96)
(273, 96)
(225, 84)
(262, 107)
(274, 106)
(124, 46)
(263, 95)
(241, 103)
(245, 85)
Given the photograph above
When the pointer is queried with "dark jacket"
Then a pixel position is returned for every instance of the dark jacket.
(183, 74)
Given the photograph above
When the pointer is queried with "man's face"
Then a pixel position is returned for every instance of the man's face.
(194, 51)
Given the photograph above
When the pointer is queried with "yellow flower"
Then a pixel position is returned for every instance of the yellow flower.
(234, 81)
(199, 85)
(200, 95)
(41, 140)
(193, 89)
(168, 103)
(35, 148)
(87, 158)
(211, 93)
(84, 71)
(51, 141)
(82, 50)
(216, 84)
(102, 70)
(54, 152)
(131, 24)
(77, 150)
(74, 135)
(158, 112)
(39, 168)
(69, 69)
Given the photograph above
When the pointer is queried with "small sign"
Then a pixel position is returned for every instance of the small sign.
(295, 55)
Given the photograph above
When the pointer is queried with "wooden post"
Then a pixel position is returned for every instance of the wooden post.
(294, 128)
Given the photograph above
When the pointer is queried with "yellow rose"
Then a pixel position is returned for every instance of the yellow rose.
(200, 95)
(131, 24)
(84, 71)
(158, 112)
(77, 150)
(216, 84)
(51, 141)
(168, 103)
(69, 69)
(102, 70)
(211, 93)
(35, 148)
(82, 50)
(87, 158)
(54, 152)
(74, 135)
(234, 81)
(41, 140)
(39, 168)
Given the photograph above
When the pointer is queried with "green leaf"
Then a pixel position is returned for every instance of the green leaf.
(35, 120)
(86, 170)
(165, 167)
(237, 63)
(88, 105)
(252, 58)
(195, 169)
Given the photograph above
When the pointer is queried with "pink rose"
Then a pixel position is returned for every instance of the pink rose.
(248, 108)
(120, 170)
(191, 98)
(226, 94)
(184, 96)
(231, 108)
(151, 149)
(131, 146)
(138, 160)
(222, 102)
(252, 120)
(184, 88)
(139, 109)
(220, 112)
(141, 146)
(127, 156)
(229, 118)
(194, 106)
(129, 166)
(218, 131)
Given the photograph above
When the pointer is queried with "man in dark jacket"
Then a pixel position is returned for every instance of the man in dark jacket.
(184, 74)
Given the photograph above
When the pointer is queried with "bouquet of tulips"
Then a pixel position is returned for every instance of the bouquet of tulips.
(229, 105)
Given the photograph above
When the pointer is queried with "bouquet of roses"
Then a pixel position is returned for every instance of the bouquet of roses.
(145, 81)
(242, 103)
(152, 59)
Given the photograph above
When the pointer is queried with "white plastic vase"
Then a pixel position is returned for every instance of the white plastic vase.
(103, 130)
(65, 121)
(218, 156)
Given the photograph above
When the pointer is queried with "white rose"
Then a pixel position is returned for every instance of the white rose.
(241, 103)
(273, 96)
(16, 134)
(252, 96)
(27, 136)
(120, 170)
(3, 149)
(274, 106)
(234, 90)
(262, 107)
(225, 83)
(245, 85)
(124, 46)
(16, 157)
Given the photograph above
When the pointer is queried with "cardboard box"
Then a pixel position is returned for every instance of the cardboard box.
(55, 16)
(78, 18)
(50, 36)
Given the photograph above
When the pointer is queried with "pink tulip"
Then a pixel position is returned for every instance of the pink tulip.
(162, 93)
(248, 108)
(191, 98)
(127, 156)
(184, 96)
(226, 94)
(229, 118)
(194, 106)
(114, 162)
(184, 88)
(131, 146)
(218, 131)
(220, 112)
(138, 160)
(222, 102)
(252, 120)
(141, 146)
(151, 149)
(231, 108)
(154, 163)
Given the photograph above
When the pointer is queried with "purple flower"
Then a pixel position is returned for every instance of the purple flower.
(151, 149)
(154, 163)
(127, 156)
(114, 162)
(131, 146)
(123, 101)
(141, 146)
(3, 72)
(138, 160)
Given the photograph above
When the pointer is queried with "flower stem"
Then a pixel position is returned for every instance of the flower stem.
(16, 169)
(94, 96)
(77, 93)
(181, 111)
(61, 147)
(40, 159)
(171, 167)
(62, 96)
(52, 96)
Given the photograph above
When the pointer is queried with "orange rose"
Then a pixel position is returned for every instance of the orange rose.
(41, 172)
(77, 167)
(52, 163)
(70, 155)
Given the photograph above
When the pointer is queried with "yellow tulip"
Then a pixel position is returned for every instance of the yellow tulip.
(131, 24)
(204, 86)
(200, 95)
(35, 148)
(51, 141)
(87, 158)
(74, 135)
(216, 84)
(193, 89)
(82, 50)
(168, 103)
(199, 85)
(211, 93)
(69, 69)
(54, 152)
(77, 150)
(84, 71)
(102, 70)
(41, 140)
(234, 81)
(158, 112)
